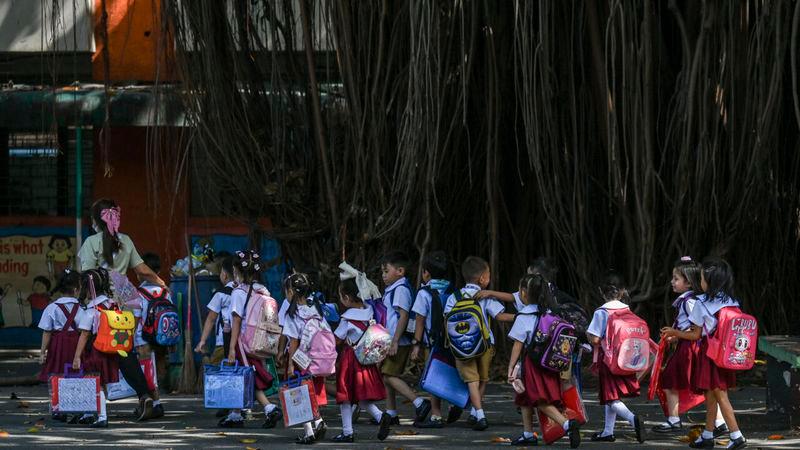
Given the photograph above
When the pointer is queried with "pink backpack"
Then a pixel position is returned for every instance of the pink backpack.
(732, 346)
(319, 344)
(261, 332)
(626, 345)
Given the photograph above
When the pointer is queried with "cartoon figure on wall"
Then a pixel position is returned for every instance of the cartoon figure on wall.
(38, 299)
(60, 256)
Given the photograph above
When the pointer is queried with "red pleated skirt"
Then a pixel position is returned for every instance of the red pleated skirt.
(60, 351)
(104, 364)
(354, 382)
(263, 379)
(615, 387)
(677, 374)
(707, 376)
(540, 385)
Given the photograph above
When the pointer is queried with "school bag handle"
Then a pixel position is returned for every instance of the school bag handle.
(67, 374)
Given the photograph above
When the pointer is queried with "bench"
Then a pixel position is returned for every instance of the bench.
(783, 377)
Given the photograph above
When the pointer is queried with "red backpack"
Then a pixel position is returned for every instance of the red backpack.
(732, 346)
(626, 345)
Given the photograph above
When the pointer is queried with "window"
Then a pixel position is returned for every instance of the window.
(37, 173)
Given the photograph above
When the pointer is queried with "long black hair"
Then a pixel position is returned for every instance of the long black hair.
(349, 288)
(111, 243)
(612, 287)
(248, 264)
(69, 282)
(719, 278)
(300, 287)
(689, 270)
(96, 279)
(538, 291)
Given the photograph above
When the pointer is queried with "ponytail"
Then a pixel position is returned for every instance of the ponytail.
(106, 216)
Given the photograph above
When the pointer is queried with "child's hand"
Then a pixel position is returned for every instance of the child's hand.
(393, 349)
(482, 294)
(43, 358)
(200, 346)
(76, 364)
(415, 353)
(668, 332)
(510, 375)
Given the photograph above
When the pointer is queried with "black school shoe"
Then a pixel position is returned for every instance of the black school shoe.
(158, 411)
(99, 424)
(394, 420)
(668, 427)
(637, 426)
(737, 443)
(574, 433)
(422, 411)
(481, 425)
(383, 431)
(453, 414)
(59, 417)
(598, 438)
(272, 418)
(230, 423)
(430, 423)
(320, 430)
(721, 431)
(343, 438)
(522, 440)
(305, 440)
(472, 420)
(702, 443)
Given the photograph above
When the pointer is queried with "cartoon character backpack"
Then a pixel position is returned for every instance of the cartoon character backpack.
(319, 344)
(553, 343)
(467, 331)
(161, 325)
(115, 333)
(262, 331)
(626, 345)
(732, 346)
(373, 345)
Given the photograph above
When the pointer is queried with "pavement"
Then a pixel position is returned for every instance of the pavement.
(25, 423)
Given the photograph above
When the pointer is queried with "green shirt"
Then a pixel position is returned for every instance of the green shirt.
(91, 254)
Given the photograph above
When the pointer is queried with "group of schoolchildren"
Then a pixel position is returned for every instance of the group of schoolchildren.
(425, 321)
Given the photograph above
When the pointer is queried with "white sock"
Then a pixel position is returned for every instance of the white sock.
(392, 412)
(707, 435)
(235, 416)
(622, 411)
(736, 434)
(87, 416)
(317, 422)
(472, 411)
(418, 402)
(565, 425)
(156, 403)
(611, 419)
(719, 422)
(672, 420)
(479, 414)
(102, 415)
(346, 411)
(269, 407)
(309, 429)
(527, 434)
(372, 409)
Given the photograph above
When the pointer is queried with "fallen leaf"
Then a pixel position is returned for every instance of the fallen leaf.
(723, 442)
(500, 440)
(775, 437)
(33, 429)
(393, 448)
(248, 441)
(221, 433)
(23, 404)
(3, 434)
(406, 432)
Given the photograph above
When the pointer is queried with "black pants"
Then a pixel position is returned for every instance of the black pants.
(132, 371)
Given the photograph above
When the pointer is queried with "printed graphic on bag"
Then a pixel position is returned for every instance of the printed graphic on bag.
(115, 332)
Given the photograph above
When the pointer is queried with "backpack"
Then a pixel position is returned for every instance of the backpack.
(732, 346)
(379, 311)
(411, 326)
(626, 345)
(436, 336)
(161, 325)
(115, 332)
(553, 343)
(319, 344)
(569, 310)
(467, 329)
(261, 331)
(373, 345)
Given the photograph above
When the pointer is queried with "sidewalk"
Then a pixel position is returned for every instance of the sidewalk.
(188, 425)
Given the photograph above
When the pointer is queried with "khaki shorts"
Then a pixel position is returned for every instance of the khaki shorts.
(394, 366)
(476, 369)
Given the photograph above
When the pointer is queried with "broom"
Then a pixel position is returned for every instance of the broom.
(188, 380)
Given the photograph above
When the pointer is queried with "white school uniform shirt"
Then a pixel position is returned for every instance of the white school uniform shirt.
(221, 304)
(684, 304)
(400, 298)
(53, 319)
(239, 298)
(346, 331)
(525, 324)
(703, 313)
(490, 307)
(597, 327)
(282, 312)
(518, 302)
(90, 321)
(141, 313)
(422, 306)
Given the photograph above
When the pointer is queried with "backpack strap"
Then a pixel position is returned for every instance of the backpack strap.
(225, 290)
(247, 299)
(70, 315)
